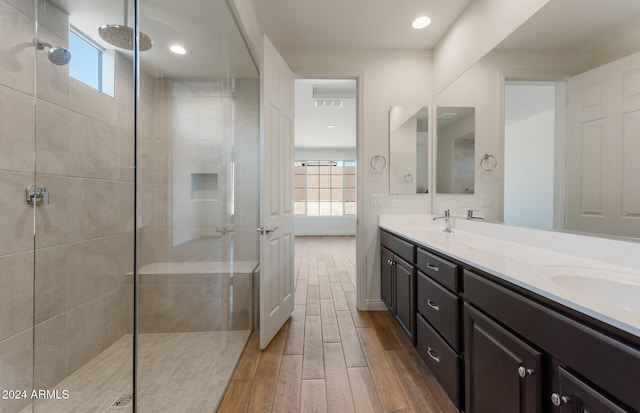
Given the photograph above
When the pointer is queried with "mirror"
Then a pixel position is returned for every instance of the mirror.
(581, 55)
(455, 143)
(408, 149)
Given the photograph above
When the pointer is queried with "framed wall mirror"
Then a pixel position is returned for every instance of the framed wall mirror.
(408, 149)
(455, 150)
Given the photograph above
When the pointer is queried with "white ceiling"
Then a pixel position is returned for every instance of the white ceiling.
(379, 24)
(312, 123)
(580, 25)
(207, 29)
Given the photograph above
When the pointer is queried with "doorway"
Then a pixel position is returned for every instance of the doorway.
(325, 155)
(534, 153)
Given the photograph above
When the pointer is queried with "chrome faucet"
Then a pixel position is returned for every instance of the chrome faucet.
(447, 220)
(470, 214)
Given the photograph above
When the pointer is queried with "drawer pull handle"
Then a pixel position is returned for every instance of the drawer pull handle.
(524, 372)
(559, 400)
(432, 267)
(433, 355)
(433, 305)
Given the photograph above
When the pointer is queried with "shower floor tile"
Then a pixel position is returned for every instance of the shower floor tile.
(178, 372)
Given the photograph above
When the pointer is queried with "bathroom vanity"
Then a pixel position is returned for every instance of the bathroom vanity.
(508, 326)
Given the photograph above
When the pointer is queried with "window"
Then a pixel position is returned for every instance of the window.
(90, 63)
(325, 188)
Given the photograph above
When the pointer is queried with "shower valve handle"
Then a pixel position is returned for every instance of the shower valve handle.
(37, 195)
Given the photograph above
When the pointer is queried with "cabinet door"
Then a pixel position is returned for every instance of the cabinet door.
(386, 278)
(503, 373)
(405, 296)
(575, 396)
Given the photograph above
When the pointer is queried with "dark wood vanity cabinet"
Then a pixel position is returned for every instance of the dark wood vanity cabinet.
(585, 369)
(386, 279)
(438, 320)
(495, 347)
(576, 396)
(503, 373)
(398, 280)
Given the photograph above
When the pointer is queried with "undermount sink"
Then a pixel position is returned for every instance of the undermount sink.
(621, 289)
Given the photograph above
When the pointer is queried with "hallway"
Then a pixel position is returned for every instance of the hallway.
(330, 357)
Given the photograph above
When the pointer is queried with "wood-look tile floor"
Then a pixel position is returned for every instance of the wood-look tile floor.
(330, 357)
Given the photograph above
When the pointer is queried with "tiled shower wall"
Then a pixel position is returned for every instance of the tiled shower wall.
(201, 127)
(84, 239)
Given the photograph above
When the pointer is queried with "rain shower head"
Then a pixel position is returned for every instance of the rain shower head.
(122, 37)
(57, 55)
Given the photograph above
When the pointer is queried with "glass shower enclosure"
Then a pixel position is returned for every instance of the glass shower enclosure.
(129, 192)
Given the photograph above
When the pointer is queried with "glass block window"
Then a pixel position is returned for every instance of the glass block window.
(325, 188)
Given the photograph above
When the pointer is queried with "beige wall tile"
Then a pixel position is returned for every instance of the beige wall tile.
(16, 294)
(93, 148)
(96, 267)
(52, 138)
(53, 18)
(26, 7)
(16, 220)
(16, 358)
(53, 80)
(83, 218)
(93, 103)
(16, 129)
(51, 219)
(94, 326)
(17, 60)
(51, 352)
(51, 269)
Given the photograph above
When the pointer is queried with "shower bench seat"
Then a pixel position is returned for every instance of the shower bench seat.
(196, 296)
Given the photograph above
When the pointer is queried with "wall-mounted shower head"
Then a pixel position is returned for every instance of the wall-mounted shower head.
(57, 55)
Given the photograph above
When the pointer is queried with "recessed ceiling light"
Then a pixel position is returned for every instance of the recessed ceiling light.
(421, 22)
(331, 126)
(177, 49)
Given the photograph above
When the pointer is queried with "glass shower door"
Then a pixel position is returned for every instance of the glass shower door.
(197, 186)
(83, 249)
(17, 108)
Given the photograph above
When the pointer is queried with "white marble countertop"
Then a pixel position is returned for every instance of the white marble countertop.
(607, 290)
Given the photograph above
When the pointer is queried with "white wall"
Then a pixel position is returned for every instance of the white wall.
(481, 27)
(529, 150)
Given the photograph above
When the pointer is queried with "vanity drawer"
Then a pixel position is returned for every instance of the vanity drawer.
(441, 359)
(441, 270)
(400, 247)
(440, 308)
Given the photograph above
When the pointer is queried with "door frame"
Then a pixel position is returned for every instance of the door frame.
(358, 76)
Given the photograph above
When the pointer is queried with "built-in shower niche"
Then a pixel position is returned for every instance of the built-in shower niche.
(204, 186)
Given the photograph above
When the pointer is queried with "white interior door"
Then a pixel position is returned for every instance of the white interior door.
(603, 143)
(276, 188)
